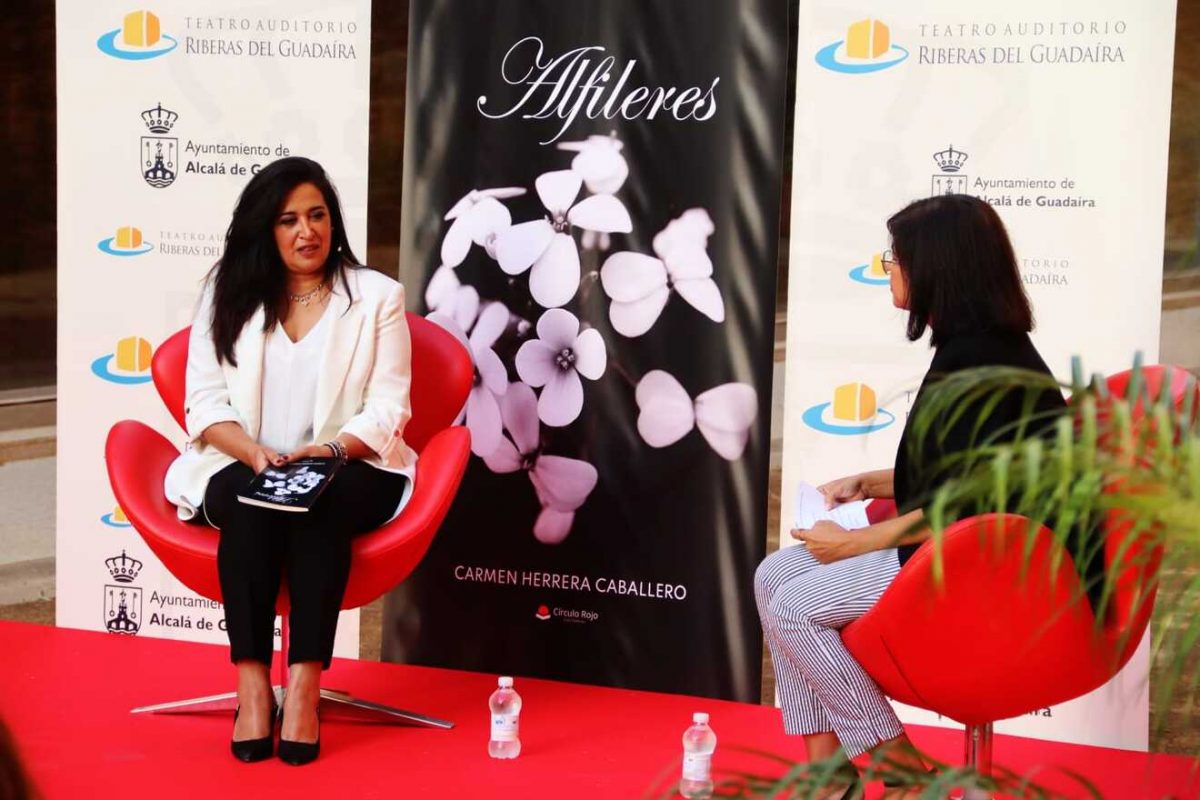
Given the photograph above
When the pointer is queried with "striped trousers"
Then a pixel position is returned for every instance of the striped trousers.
(803, 604)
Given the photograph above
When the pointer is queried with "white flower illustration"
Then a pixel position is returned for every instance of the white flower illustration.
(547, 246)
(599, 163)
(556, 359)
(482, 410)
(447, 296)
(603, 170)
(519, 450)
(723, 414)
(561, 484)
(640, 285)
(477, 216)
(692, 227)
(505, 418)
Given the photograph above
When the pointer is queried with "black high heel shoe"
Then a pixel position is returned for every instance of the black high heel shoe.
(299, 753)
(251, 750)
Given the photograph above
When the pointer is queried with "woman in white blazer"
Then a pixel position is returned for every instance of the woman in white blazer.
(296, 351)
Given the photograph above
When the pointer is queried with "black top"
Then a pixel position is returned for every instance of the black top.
(917, 474)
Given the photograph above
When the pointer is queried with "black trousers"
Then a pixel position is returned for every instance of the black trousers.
(258, 546)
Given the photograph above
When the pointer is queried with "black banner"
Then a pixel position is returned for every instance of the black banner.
(591, 201)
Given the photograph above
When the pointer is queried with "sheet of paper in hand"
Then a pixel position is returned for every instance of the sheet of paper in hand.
(294, 487)
(810, 507)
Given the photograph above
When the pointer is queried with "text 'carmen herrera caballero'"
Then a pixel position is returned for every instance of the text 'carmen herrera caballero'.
(571, 582)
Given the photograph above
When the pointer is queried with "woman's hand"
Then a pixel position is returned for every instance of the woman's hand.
(354, 447)
(308, 451)
(844, 490)
(828, 542)
(259, 457)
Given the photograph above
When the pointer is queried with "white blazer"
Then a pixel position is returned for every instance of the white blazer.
(362, 388)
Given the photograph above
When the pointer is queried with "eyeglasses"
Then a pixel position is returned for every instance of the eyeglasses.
(888, 261)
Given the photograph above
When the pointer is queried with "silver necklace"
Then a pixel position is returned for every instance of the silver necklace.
(309, 296)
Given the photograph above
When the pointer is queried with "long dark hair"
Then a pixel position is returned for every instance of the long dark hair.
(961, 270)
(251, 273)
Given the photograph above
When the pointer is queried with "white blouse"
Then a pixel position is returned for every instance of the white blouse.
(289, 386)
(289, 393)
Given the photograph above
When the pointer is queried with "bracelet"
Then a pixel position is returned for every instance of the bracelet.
(338, 449)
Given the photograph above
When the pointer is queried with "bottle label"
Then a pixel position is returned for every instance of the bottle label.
(697, 766)
(505, 727)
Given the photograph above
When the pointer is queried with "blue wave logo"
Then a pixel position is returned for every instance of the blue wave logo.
(113, 521)
(128, 365)
(127, 242)
(862, 274)
(852, 413)
(871, 273)
(139, 38)
(102, 368)
(867, 48)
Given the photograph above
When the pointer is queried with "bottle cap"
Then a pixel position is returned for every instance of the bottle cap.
(506, 682)
(700, 718)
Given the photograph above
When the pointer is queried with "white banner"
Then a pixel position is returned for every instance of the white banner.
(1056, 112)
(164, 114)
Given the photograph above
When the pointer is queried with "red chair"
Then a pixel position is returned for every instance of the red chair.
(138, 457)
(1032, 641)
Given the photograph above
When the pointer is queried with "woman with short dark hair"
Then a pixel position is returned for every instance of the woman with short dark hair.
(297, 351)
(952, 268)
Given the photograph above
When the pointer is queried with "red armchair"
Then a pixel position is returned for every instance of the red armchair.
(1029, 648)
(138, 457)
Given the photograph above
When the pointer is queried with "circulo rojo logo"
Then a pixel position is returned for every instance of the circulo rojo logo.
(543, 612)
(128, 241)
(867, 47)
(853, 412)
(871, 273)
(140, 37)
(115, 518)
(129, 364)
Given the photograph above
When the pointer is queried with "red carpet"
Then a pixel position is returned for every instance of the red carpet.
(66, 694)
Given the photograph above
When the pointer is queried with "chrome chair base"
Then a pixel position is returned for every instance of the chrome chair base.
(977, 754)
(350, 707)
(335, 704)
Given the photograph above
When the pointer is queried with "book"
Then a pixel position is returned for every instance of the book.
(293, 487)
(810, 507)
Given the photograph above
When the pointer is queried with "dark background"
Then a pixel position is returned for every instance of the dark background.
(679, 515)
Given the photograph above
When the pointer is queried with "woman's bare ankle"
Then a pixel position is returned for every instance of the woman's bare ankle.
(255, 701)
(300, 721)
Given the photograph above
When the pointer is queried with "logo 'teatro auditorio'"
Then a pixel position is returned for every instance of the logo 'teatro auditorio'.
(139, 38)
(868, 47)
(853, 412)
(128, 364)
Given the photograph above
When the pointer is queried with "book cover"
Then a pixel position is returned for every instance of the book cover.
(294, 487)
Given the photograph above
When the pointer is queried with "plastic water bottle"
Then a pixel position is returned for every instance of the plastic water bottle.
(699, 742)
(505, 704)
